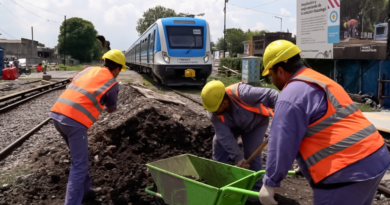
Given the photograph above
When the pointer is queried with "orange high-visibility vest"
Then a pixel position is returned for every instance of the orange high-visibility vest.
(81, 100)
(341, 137)
(232, 91)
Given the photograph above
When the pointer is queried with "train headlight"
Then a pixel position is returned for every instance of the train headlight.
(206, 58)
(165, 56)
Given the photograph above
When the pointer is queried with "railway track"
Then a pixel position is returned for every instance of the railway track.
(47, 88)
(10, 101)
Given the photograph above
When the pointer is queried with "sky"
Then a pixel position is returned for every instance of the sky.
(117, 19)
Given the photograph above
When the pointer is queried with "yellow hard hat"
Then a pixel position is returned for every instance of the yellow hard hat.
(116, 56)
(212, 95)
(278, 51)
(345, 25)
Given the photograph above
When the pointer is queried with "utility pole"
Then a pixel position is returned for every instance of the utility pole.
(63, 49)
(32, 42)
(224, 30)
(281, 22)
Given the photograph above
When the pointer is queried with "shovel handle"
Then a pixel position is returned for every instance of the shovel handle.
(258, 150)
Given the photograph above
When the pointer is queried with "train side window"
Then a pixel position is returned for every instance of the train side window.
(151, 45)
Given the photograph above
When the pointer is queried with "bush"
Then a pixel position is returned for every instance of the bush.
(232, 63)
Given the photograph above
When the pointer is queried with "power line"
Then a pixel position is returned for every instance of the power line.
(7, 33)
(14, 15)
(33, 13)
(261, 11)
(43, 8)
(256, 6)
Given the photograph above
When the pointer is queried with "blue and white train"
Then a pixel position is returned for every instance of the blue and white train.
(172, 47)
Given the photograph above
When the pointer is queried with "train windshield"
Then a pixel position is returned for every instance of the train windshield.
(185, 36)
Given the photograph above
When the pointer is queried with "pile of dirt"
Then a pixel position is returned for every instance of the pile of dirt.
(142, 131)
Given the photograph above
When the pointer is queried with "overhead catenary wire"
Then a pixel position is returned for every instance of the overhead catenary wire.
(260, 11)
(33, 12)
(42, 8)
(7, 33)
(14, 15)
(255, 6)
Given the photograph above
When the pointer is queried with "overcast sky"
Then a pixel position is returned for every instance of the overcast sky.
(117, 19)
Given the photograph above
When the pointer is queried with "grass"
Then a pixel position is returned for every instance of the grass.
(150, 84)
(72, 68)
(9, 176)
(365, 107)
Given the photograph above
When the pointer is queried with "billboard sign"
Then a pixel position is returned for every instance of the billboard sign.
(342, 29)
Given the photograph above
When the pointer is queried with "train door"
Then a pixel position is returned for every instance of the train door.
(147, 50)
(140, 50)
(151, 46)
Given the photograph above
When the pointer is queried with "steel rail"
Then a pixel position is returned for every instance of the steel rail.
(42, 88)
(17, 143)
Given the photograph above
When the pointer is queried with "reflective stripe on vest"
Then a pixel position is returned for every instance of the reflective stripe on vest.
(341, 137)
(232, 91)
(81, 100)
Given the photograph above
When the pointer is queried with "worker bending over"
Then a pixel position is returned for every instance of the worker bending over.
(339, 151)
(239, 109)
(78, 107)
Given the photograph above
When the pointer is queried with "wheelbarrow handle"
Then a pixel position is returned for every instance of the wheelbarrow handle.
(149, 191)
(262, 172)
(249, 192)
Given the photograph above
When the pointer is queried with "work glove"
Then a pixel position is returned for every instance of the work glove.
(298, 171)
(266, 195)
(242, 163)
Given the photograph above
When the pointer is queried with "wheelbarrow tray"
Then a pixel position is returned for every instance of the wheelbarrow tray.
(225, 184)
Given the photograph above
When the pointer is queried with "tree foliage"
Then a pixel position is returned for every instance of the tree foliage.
(81, 42)
(234, 39)
(152, 15)
(367, 12)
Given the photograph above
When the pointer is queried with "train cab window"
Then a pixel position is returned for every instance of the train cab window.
(185, 36)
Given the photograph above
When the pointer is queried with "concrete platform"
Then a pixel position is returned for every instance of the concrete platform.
(381, 120)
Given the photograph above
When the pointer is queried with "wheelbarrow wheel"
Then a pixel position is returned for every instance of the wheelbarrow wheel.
(158, 200)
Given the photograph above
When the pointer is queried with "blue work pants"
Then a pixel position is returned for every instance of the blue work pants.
(79, 182)
(250, 141)
(360, 193)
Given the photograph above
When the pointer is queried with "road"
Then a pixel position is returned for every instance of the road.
(127, 75)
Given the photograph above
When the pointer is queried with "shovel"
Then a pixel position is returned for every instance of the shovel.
(257, 151)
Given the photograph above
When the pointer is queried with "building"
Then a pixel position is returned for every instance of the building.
(23, 48)
(261, 42)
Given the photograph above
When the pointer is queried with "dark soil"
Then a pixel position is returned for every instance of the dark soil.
(121, 144)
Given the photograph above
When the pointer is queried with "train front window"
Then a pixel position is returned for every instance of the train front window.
(185, 36)
(380, 30)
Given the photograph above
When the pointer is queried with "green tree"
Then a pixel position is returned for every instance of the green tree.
(249, 34)
(81, 42)
(234, 39)
(152, 15)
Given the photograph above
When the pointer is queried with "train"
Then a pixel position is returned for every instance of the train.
(176, 51)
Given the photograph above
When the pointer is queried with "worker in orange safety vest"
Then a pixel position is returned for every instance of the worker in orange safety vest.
(239, 110)
(338, 150)
(78, 107)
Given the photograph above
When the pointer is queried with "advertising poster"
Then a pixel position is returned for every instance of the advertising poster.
(343, 29)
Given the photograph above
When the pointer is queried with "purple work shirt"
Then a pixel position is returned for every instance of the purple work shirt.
(300, 104)
(109, 99)
(242, 119)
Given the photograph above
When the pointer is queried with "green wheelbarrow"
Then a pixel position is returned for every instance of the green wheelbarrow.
(191, 180)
